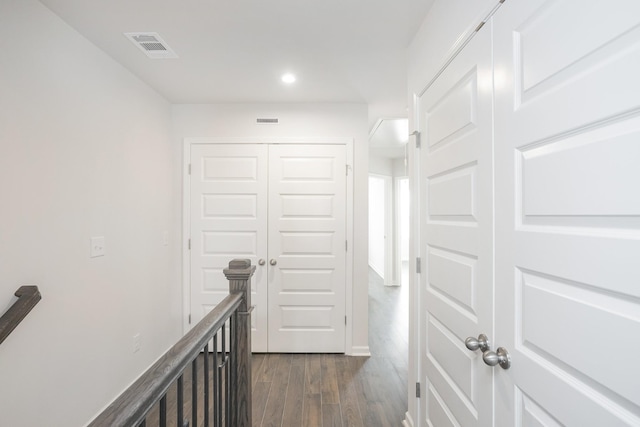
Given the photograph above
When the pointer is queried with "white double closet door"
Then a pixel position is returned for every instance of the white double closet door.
(530, 220)
(283, 207)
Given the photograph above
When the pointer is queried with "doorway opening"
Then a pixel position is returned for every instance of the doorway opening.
(380, 227)
(389, 248)
(389, 201)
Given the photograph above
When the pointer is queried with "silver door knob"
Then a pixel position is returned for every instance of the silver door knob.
(482, 343)
(273, 262)
(498, 357)
(261, 261)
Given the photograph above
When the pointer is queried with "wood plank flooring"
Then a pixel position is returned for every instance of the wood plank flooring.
(323, 390)
(308, 390)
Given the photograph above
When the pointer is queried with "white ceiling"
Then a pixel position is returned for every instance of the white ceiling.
(234, 51)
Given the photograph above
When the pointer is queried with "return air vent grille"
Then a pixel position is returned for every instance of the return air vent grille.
(267, 121)
(152, 45)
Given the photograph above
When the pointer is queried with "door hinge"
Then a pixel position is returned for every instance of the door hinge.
(347, 169)
(345, 320)
(346, 245)
(189, 244)
(189, 318)
(417, 389)
(418, 265)
(417, 135)
(189, 168)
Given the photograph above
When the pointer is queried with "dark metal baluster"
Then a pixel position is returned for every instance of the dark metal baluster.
(216, 380)
(163, 411)
(233, 348)
(227, 390)
(222, 367)
(143, 424)
(180, 402)
(205, 372)
(194, 392)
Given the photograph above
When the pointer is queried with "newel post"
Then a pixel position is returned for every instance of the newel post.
(239, 275)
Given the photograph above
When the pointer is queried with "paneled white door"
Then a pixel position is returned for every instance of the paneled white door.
(455, 121)
(568, 212)
(286, 205)
(228, 220)
(307, 253)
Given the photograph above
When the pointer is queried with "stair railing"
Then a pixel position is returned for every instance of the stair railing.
(230, 370)
(28, 297)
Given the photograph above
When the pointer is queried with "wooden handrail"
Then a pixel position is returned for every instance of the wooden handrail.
(28, 297)
(134, 404)
(130, 408)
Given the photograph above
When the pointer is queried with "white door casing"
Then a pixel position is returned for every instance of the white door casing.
(280, 202)
(567, 126)
(307, 241)
(456, 182)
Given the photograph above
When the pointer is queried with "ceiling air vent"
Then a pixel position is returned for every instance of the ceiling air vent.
(152, 45)
(267, 121)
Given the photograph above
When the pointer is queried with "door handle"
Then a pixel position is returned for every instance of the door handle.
(498, 357)
(273, 262)
(261, 261)
(482, 343)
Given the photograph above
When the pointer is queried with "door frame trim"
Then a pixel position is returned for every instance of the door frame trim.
(348, 142)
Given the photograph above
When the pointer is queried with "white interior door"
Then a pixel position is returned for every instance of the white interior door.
(228, 220)
(455, 121)
(284, 204)
(307, 237)
(568, 212)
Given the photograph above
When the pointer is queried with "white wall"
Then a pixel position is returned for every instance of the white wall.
(85, 150)
(445, 26)
(381, 165)
(399, 168)
(299, 120)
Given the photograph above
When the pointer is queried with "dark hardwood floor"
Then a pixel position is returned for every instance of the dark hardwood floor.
(308, 390)
(335, 390)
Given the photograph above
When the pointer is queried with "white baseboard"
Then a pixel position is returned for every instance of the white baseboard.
(360, 351)
(408, 421)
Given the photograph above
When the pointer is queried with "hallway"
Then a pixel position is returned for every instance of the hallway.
(336, 390)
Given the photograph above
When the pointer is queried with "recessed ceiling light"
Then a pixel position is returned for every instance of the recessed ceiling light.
(288, 78)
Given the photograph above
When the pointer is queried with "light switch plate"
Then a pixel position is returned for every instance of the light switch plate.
(97, 246)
